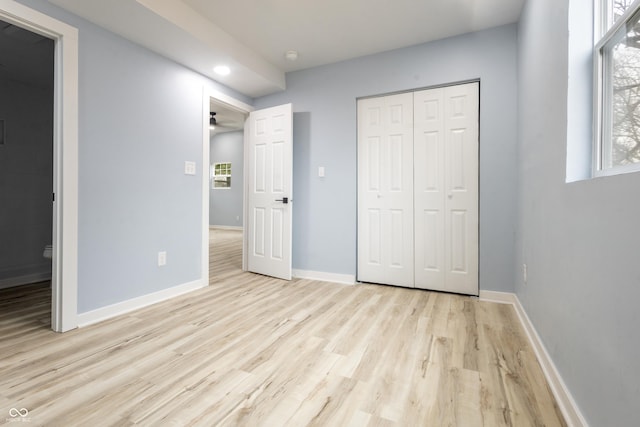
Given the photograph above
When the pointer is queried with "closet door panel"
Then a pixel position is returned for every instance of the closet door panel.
(461, 118)
(429, 194)
(385, 190)
(446, 188)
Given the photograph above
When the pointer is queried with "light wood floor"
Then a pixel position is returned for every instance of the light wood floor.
(255, 351)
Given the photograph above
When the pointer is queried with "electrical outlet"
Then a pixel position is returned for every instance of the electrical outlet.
(237, 217)
(162, 258)
(524, 273)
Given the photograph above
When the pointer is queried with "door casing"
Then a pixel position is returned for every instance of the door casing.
(64, 280)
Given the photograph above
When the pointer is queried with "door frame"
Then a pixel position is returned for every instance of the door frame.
(64, 279)
(233, 103)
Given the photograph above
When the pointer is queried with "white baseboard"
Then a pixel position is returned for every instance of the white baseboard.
(501, 297)
(25, 280)
(226, 227)
(567, 404)
(104, 313)
(345, 279)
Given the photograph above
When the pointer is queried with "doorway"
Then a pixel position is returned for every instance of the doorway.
(225, 186)
(64, 281)
(26, 158)
(220, 146)
(418, 192)
(267, 185)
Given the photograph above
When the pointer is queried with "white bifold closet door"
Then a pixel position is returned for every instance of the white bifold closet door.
(438, 208)
(385, 193)
(446, 188)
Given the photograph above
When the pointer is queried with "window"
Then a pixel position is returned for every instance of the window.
(618, 88)
(221, 175)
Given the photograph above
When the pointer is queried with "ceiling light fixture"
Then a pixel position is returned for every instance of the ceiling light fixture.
(222, 70)
(212, 120)
(291, 55)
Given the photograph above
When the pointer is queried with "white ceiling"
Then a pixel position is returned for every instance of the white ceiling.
(251, 36)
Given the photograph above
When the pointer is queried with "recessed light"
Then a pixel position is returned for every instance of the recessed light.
(291, 55)
(223, 70)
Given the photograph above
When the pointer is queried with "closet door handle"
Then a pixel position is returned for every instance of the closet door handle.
(284, 200)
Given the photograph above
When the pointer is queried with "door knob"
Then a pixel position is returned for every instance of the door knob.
(284, 200)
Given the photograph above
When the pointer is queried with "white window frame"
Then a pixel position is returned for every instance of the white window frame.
(605, 34)
(214, 176)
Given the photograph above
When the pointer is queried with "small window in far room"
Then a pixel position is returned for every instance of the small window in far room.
(618, 88)
(221, 175)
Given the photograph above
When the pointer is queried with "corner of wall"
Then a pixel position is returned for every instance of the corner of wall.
(568, 406)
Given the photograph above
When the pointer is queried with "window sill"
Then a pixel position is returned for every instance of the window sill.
(619, 170)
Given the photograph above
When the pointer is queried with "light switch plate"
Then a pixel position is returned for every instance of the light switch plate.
(321, 171)
(189, 168)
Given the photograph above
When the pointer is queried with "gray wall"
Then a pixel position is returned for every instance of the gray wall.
(140, 120)
(26, 180)
(225, 205)
(324, 104)
(579, 239)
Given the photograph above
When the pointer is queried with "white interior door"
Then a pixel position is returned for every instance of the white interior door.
(270, 190)
(385, 193)
(446, 183)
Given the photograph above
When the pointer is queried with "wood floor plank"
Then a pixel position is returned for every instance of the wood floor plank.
(250, 350)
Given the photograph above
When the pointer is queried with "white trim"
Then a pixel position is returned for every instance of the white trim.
(604, 36)
(344, 279)
(206, 173)
(230, 101)
(64, 300)
(596, 152)
(118, 309)
(27, 279)
(499, 297)
(616, 170)
(567, 404)
(245, 194)
(226, 227)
